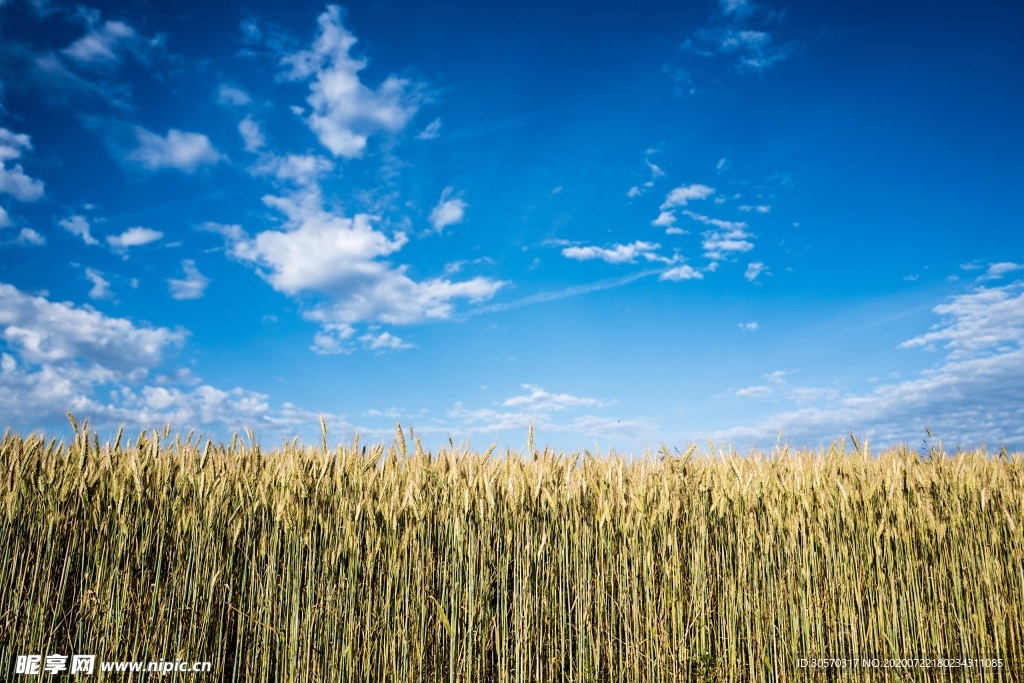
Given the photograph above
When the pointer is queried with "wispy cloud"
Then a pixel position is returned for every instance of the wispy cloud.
(568, 292)
(974, 394)
(677, 197)
(79, 225)
(233, 96)
(754, 270)
(192, 286)
(731, 34)
(133, 237)
(432, 131)
(100, 285)
(251, 134)
(179, 150)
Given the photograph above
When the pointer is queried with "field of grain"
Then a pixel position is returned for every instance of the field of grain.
(388, 563)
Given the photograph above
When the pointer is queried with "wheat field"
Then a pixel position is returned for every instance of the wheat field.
(389, 563)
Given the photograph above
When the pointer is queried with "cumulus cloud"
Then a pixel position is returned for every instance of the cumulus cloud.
(341, 258)
(728, 239)
(5, 219)
(179, 150)
(192, 286)
(680, 273)
(57, 357)
(749, 327)
(449, 210)
(619, 253)
(13, 179)
(133, 237)
(684, 194)
(384, 340)
(79, 225)
(42, 331)
(345, 112)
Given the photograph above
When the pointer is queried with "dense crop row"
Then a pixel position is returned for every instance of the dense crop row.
(310, 564)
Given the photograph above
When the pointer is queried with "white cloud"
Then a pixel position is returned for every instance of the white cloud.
(753, 51)
(974, 394)
(619, 253)
(996, 271)
(235, 97)
(449, 210)
(100, 285)
(103, 43)
(58, 357)
(183, 151)
(749, 327)
(133, 237)
(305, 170)
(192, 286)
(345, 111)
(547, 413)
(432, 131)
(384, 340)
(716, 222)
(78, 225)
(5, 219)
(340, 257)
(738, 7)
(985, 319)
(538, 399)
(684, 194)
(754, 270)
(683, 272)
(42, 331)
(731, 238)
(251, 135)
(30, 237)
(332, 339)
(680, 196)
(665, 219)
(759, 391)
(13, 180)
(634, 192)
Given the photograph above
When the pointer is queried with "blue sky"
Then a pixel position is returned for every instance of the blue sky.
(627, 224)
